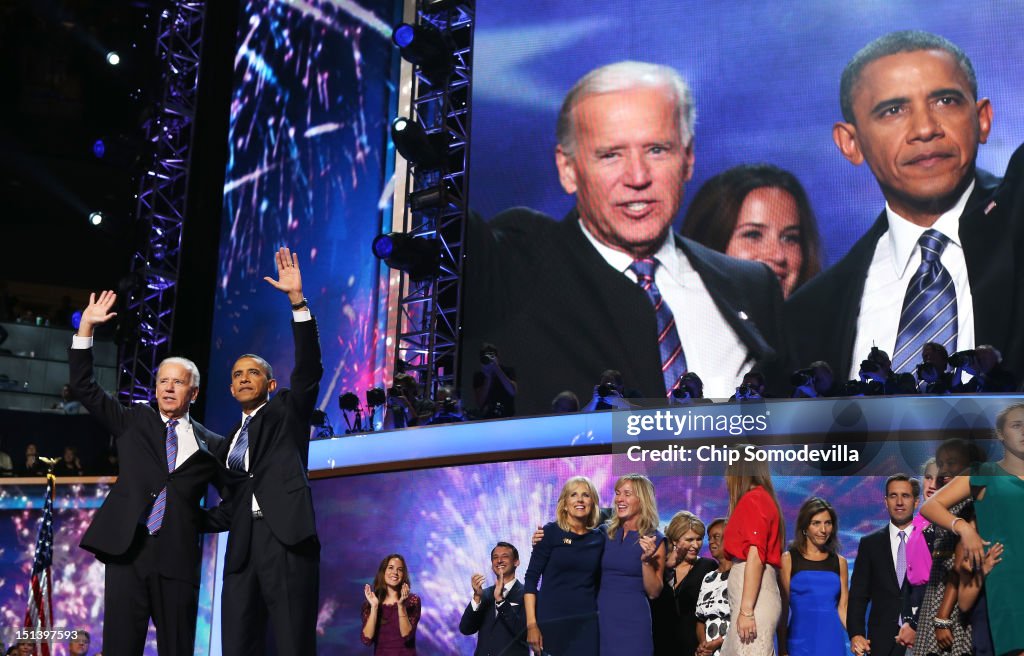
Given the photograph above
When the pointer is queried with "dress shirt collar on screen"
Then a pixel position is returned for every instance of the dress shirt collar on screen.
(904, 235)
(669, 257)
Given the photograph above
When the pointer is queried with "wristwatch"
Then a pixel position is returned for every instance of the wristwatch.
(301, 304)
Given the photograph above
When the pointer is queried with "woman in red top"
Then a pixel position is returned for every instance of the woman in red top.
(390, 613)
(753, 540)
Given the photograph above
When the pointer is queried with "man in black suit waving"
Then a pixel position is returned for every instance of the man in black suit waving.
(880, 574)
(272, 566)
(496, 612)
(146, 530)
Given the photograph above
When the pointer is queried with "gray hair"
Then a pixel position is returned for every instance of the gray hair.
(193, 370)
(623, 76)
(891, 44)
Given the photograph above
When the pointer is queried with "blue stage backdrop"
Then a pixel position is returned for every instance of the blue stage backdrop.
(307, 161)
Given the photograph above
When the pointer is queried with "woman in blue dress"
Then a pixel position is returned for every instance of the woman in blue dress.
(561, 616)
(631, 569)
(814, 585)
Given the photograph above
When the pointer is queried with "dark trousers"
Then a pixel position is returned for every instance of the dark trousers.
(278, 583)
(134, 592)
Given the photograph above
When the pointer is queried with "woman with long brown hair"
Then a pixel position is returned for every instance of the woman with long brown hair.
(753, 539)
(815, 585)
(391, 612)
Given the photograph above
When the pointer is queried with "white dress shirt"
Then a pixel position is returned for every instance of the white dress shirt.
(245, 457)
(897, 257)
(713, 351)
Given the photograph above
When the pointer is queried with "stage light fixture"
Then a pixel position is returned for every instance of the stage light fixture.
(96, 218)
(415, 145)
(113, 58)
(425, 46)
(99, 148)
(417, 256)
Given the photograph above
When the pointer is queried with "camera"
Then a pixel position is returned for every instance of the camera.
(802, 377)
(487, 356)
(960, 359)
(870, 367)
(926, 371)
(747, 391)
(605, 390)
(866, 388)
(375, 397)
(348, 402)
(394, 391)
(449, 406)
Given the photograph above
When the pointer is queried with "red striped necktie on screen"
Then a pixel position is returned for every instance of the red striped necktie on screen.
(156, 515)
(673, 360)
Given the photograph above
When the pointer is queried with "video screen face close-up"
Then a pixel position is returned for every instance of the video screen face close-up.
(769, 169)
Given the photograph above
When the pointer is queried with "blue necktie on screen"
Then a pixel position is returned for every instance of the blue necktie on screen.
(236, 459)
(156, 514)
(929, 307)
(673, 360)
(901, 559)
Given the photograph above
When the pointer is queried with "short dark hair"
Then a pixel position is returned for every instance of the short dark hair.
(915, 485)
(507, 545)
(263, 363)
(891, 44)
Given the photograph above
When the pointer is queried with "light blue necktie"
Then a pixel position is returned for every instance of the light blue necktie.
(673, 360)
(156, 514)
(236, 459)
(929, 307)
(901, 558)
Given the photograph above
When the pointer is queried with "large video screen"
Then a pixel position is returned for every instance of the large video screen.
(765, 79)
(307, 160)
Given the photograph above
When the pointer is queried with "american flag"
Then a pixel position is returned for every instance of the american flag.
(39, 615)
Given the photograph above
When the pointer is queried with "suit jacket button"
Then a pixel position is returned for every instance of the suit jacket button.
(152, 495)
(250, 475)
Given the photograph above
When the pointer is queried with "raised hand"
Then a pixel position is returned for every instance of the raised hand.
(370, 595)
(404, 594)
(289, 277)
(97, 312)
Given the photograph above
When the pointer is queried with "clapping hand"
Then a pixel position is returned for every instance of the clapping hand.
(371, 596)
(289, 278)
(404, 594)
(478, 587)
(649, 547)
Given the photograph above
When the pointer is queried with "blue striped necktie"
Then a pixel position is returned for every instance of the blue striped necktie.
(929, 307)
(236, 459)
(156, 514)
(673, 360)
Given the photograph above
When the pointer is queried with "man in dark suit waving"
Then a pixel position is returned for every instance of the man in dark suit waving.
(880, 575)
(496, 613)
(146, 530)
(272, 566)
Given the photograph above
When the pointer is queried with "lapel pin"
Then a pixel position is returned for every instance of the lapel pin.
(742, 315)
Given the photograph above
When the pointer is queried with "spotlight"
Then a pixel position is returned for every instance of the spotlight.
(415, 145)
(425, 46)
(348, 402)
(417, 256)
(113, 58)
(376, 397)
(96, 218)
(99, 148)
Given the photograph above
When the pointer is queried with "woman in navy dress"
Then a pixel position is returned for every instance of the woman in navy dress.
(561, 617)
(814, 583)
(631, 569)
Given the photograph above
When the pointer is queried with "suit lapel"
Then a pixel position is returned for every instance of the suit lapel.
(990, 261)
(852, 274)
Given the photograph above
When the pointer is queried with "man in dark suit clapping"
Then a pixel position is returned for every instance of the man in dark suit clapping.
(496, 613)
(272, 566)
(880, 574)
(146, 530)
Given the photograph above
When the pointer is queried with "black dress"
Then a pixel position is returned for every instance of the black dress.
(675, 620)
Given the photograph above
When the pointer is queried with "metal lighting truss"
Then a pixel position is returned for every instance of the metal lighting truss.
(436, 205)
(151, 294)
